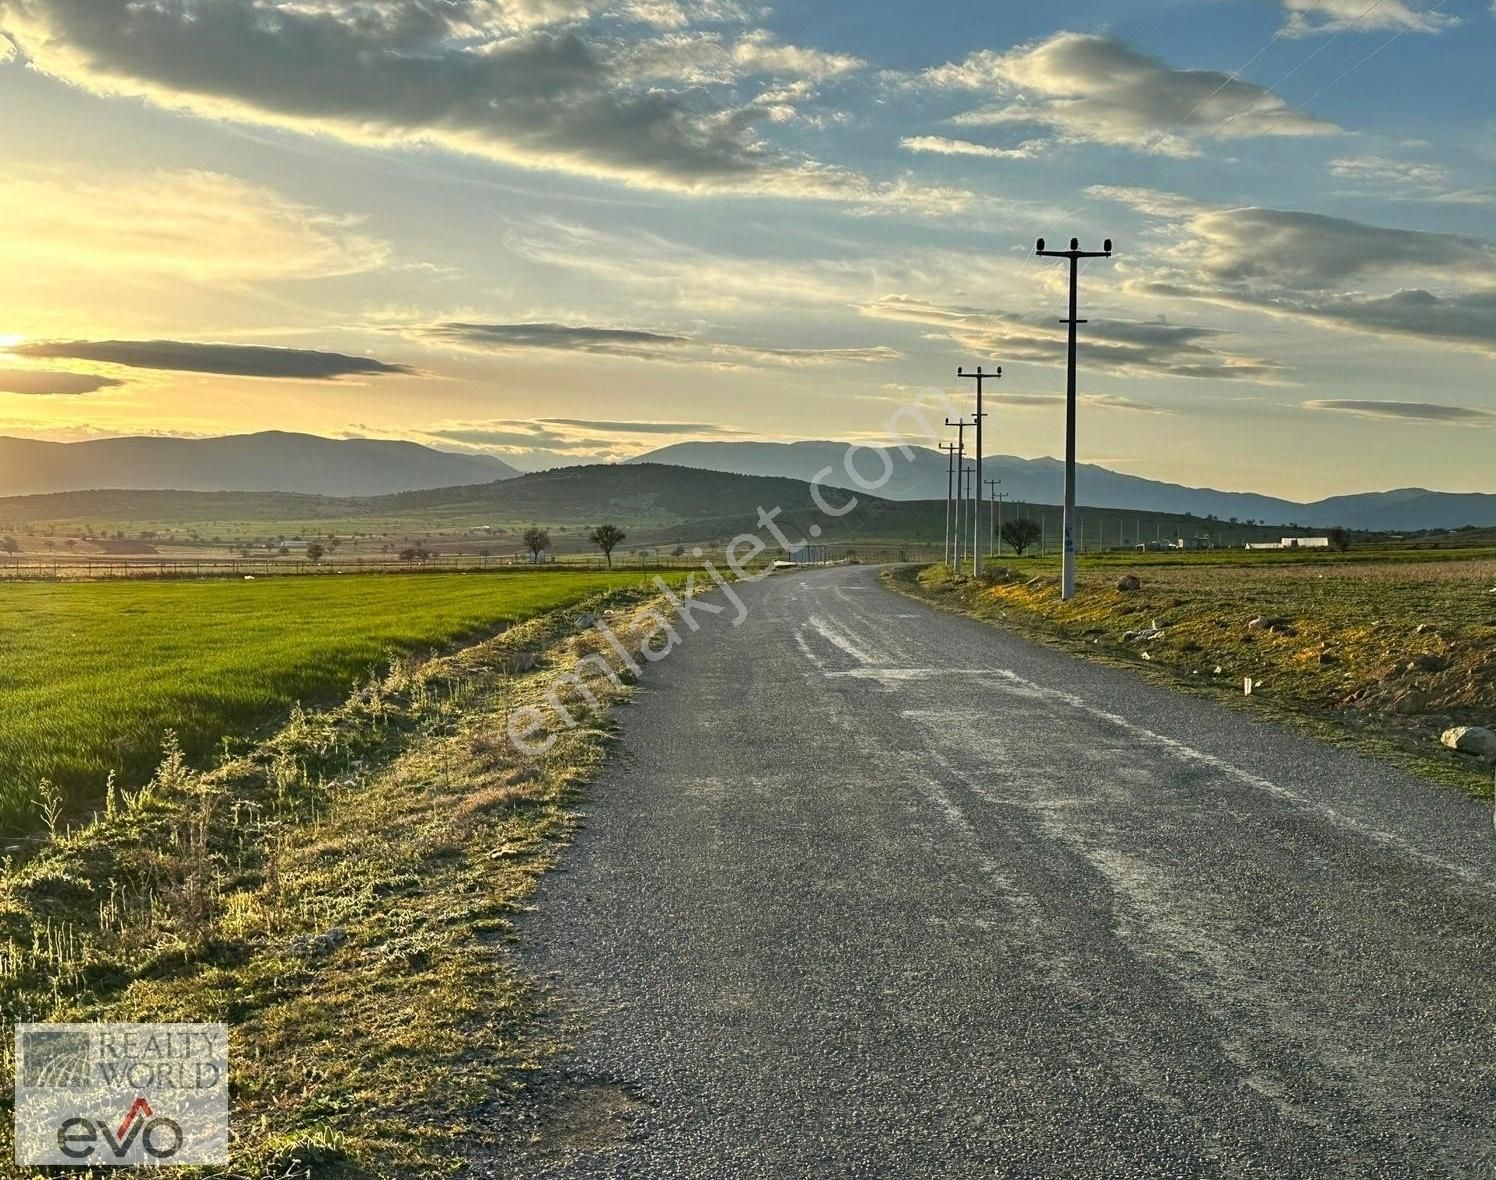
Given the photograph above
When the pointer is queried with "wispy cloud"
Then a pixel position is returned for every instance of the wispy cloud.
(1406, 411)
(231, 360)
(636, 344)
(201, 226)
(613, 427)
(708, 58)
(1308, 17)
(942, 146)
(1097, 89)
(1115, 346)
(51, 383)
(1403, 180)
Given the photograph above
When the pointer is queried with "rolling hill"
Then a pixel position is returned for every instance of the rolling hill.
(656, 503)
(271, 461)
(1039, 481)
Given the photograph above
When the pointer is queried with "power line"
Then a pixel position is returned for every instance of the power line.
(1270, 91)
(1233, 76)
(1364, 60)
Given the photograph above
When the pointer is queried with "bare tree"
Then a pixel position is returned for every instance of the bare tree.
(1021, 533)
(537, 541)
(607, 537)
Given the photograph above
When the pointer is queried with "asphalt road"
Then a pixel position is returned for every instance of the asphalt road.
(872, 890)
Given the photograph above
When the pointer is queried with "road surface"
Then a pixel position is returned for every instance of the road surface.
(872, 890)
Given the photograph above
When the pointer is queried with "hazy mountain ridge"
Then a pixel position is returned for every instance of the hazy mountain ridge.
(136, 478)
(1039, 481)
(269, 461)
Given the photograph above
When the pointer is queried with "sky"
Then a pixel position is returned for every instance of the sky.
(562, 231)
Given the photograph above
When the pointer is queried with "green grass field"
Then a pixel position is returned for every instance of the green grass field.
(93, 674)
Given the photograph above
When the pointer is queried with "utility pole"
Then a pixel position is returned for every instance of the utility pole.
(993, 536)
(973, 510)
(976, 519)
(950, 484)
(997, 500)
(960, 424)
(1075, 254)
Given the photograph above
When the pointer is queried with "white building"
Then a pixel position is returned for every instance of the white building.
(1292, 543)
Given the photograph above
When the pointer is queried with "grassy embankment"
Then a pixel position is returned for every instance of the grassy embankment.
(339, 893)
(1380, 651)
(91, 675)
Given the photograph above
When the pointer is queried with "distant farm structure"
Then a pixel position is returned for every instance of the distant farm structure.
(1292, 543)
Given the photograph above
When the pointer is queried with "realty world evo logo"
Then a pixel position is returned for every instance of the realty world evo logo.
(124, 1095)
(84, 1139)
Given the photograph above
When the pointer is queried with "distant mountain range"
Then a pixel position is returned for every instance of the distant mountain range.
(287, 463)
(1039, 481)
(271, 461)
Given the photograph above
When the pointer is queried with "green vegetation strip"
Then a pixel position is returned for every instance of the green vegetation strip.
(92, 674)
(1379, 656)
(341, 896)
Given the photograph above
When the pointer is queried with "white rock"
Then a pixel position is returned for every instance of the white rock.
(1471, 739)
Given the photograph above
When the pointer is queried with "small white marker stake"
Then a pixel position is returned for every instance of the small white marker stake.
(1247, 685)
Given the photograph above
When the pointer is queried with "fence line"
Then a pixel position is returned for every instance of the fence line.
(20, 569)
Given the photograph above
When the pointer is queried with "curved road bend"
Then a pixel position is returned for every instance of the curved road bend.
(872, 890)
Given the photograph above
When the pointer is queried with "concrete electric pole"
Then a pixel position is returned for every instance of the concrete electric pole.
(1075, 254)
(976, 519)
(950, 485)
(960, 424)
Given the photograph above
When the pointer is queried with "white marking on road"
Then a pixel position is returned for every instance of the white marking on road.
(805, 648)
(835, 636)
(894, 674)
(1187, 753)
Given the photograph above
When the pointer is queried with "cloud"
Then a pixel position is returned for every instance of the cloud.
(1313, 251)
(1308, 17)
(1467, 319)
(1406, 411)
(1103, 401)
(202, 226)
(1097, 89)
(677, 14)
(498, 437)
(456, 74)
(708, 59)
(1147, 200)
(49, 383)
(683, 280)
(1328, 270)
(1127, 347)
(537, 442)
(940, 145)
(605, 427)
(233, 360)
(1404, 180)
(635, 344)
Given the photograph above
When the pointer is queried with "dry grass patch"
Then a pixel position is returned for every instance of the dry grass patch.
(341, 896)
(1383, 656)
